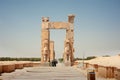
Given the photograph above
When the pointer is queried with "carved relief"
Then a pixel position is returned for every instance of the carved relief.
(67, 48)
(45, 49)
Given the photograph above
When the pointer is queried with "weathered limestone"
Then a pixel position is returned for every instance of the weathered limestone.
(7, 68)
(0, 69)
(45, 46)
(19, 66)
(59, 25)
(52, 52)
(45, 22)
(12, 66)
(47, 49)
(71, 18)
(28, 64)
(104, 71)
(117, 74)
(36, 64)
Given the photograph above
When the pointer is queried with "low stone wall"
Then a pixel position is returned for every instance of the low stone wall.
(87, 65)
(0, 69)
(8, 68)
(104, 71)
(19, 66)
(117, 74)
(27, 64)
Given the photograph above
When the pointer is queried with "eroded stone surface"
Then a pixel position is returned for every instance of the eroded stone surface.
(47, 50)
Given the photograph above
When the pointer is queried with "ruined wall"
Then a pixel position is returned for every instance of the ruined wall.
(104, 71)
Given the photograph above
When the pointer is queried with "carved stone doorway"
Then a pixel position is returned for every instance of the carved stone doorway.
(47, 48)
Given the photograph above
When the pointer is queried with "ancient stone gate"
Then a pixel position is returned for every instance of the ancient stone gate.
(47, 48)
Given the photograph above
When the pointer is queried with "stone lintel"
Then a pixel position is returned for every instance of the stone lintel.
(59, 25)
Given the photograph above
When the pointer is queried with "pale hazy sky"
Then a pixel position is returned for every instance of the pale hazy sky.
(97, 26)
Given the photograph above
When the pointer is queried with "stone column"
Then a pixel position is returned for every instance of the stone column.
(70, 39)
(45, 51)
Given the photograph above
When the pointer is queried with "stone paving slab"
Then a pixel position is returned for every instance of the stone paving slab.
(45, 73)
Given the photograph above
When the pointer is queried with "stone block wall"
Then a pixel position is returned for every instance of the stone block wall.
(28, 64)
(117, 74)
(104, 71)
(0, 69)
(8, 68)
(19, 66)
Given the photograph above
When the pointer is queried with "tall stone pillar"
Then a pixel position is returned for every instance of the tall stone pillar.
(69, 50)
(45, 35)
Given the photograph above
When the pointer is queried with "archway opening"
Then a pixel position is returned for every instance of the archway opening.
(58, 36)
